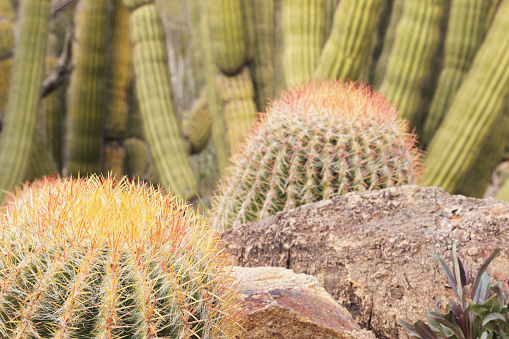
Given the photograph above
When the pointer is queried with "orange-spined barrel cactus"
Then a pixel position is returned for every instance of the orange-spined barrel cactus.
(317, 141)
(94, 258)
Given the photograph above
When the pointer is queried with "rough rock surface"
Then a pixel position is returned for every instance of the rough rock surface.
(372, 251)
(277, 303)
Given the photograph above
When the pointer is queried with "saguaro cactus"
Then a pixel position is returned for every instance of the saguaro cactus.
(348, 45)
(415, 41)
(111, 260)
(473, 117)
(162, 129)
(24, 93)
(87, 99)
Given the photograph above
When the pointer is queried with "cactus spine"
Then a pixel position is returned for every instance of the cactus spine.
(465, 32)
(476, 110)
(303, 28)
(315, 142)
(415, 41)
(162, 129)
(87, 99)
(111, 260)
(24, 93)
(348, 45)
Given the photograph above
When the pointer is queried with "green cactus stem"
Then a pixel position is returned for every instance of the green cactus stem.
(6, 54)
(162, 130)
(262, 68)
(303, 28)
(111, 260)
(388, 43)
(473, 116)
(317, 141)
(86, 97)
(229, 34)
(279, 47)
(349, 43)
(197, 125)
(465, 32)
(239, 109)
(195, 18)
(41, 160)
(330, 10)
(118, 86)
(24, 93)
(7, 11)
(218, 128)
(415, 41)
(137, 160)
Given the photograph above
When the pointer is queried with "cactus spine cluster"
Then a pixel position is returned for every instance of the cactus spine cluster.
(315, 142)
(162, 129)
(476, 112)
(24, 93)
(94, 258)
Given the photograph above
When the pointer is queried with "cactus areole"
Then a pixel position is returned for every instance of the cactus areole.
(317, 141)
(94, 258)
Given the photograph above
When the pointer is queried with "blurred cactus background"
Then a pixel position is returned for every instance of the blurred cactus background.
(166, 90)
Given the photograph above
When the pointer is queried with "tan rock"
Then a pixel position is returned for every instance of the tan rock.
(372, 251)
(281, 304)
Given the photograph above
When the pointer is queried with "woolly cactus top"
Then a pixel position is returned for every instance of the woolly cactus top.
(318, 140)
(97, 258)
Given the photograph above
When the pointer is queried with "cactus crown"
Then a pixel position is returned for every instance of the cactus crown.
(317, 141)
(94, 258)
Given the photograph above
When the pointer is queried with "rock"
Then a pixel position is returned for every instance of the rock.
(281, 304)
(372, 251)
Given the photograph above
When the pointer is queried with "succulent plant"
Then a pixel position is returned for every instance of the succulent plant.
(319, 140)
(481, 310)
(95, 258)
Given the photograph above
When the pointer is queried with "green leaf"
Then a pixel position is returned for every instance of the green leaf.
(457, 272)
(448, 274)
(484, 335)
(493, 316)
(409, 327)
(450, 325)
(481, 272)
(479, 310)
(493, 304)
(424, 330)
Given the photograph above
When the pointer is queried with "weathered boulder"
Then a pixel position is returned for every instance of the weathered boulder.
(372, 251)
(277, 303)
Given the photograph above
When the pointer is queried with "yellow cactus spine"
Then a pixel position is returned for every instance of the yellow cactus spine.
(96, 258)
(346, 50)
(162, 130)
(87, 99)
(24, 93)
(475, 114)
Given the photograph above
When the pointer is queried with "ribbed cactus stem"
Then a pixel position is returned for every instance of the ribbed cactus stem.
(330, 10)
(86, 98)
(137, 159)
(218, 127)
(348, 45)
(229, 35)
(197, 125)
(415, 41)
(476, 110)
(465, 32)
(263, 60)
(111, 260)
(239, 109)
(7, 11)
(162, 130)
(303, 26)
(317, 141)
(24, 93)
(388, 42)
(6, 53)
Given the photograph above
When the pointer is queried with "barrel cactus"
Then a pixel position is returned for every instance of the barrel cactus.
(95, 258)
(317, 141)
